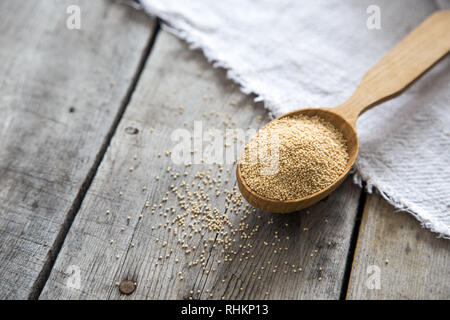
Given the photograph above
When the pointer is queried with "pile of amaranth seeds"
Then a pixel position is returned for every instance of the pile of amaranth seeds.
(305, 155)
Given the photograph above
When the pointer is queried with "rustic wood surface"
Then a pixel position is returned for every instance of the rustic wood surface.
(411, 262)
(79, 163)
(61, 91)
(174, 76)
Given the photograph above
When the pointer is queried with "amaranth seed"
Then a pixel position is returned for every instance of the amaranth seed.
(294, 157)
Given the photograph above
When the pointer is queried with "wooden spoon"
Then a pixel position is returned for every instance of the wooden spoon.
(392, 75)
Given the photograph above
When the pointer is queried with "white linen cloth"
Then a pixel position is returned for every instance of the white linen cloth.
(293, 54)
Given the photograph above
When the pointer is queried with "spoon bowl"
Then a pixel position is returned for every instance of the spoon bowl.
(392, 75)
(286, 206)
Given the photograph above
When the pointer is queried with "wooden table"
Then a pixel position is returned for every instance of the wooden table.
(86, 113)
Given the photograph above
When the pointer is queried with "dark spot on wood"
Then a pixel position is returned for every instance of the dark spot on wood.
(71, 109)
(127, 287)
(408, 248)
(35, 204)
(131, 130)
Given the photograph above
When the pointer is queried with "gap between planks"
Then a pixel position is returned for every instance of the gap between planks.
(169, 79)
(353, 243)
(395, 258)
(45, 273)
(61, 91)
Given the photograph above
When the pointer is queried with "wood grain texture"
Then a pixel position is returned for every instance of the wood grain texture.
(121, 245)
(60, 91)
(413, 263)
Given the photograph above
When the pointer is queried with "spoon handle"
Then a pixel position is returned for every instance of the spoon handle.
(404, 64)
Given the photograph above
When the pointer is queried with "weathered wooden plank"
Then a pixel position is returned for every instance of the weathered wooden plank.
(60, 93)
(109, 247)
(412, 263)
